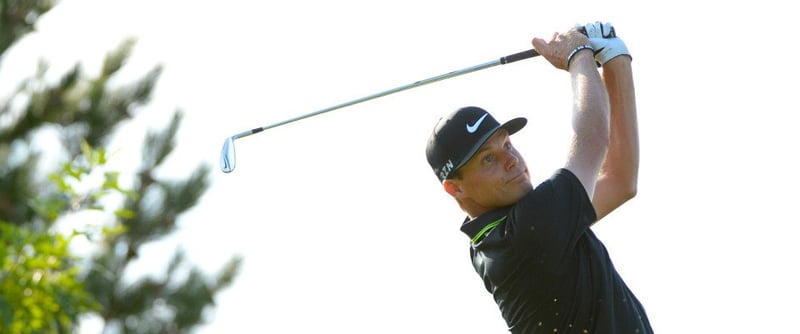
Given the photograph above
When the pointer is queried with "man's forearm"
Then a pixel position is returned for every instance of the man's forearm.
(618, 179)
(590, 122)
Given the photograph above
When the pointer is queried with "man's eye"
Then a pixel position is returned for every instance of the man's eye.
(488, 158)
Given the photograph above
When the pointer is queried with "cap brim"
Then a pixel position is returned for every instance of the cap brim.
(512, 126)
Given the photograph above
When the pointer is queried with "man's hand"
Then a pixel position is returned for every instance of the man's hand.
(562, 47)
(604, 40)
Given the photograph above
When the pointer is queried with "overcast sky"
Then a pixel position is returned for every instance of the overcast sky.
(341, 222)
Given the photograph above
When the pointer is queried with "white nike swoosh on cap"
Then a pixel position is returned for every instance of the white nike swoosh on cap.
(474, 127)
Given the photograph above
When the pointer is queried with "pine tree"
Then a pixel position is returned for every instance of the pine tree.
(85, 112)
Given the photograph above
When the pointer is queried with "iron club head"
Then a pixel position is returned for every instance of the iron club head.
(227, 158)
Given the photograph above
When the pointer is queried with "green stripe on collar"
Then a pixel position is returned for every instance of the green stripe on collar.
(487, 228)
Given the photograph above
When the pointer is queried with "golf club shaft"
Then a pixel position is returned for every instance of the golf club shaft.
(227, 159)
(504, 60)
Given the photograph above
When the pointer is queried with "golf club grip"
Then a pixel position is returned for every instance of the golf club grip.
(519, 56)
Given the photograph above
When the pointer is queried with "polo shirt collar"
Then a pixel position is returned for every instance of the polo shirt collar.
(473, 228)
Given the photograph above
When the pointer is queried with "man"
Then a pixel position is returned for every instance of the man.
(532, 246)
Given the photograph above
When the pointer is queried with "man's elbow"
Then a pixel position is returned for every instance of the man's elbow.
(629, 190)
(624, 188)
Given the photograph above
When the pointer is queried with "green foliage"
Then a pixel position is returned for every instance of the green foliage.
(18, 17)
(43, 287)
(176, 300)
(40, 291)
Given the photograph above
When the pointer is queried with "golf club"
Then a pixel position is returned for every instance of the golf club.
(227, 160)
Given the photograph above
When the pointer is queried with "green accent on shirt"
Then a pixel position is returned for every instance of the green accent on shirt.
(487, 228)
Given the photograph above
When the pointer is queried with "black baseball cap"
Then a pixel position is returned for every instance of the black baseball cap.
(458, 135)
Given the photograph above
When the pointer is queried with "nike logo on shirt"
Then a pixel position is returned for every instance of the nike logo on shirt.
(474, 127)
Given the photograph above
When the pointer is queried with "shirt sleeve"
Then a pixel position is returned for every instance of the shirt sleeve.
(553, 216)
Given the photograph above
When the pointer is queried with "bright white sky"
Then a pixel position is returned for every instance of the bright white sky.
(341, 222)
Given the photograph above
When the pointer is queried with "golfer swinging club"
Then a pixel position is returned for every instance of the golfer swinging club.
(533, 246)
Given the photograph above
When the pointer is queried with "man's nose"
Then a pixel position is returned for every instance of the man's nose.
(511, 160)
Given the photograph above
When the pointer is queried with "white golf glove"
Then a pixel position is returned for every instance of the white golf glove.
(604, 40)
(597, 30)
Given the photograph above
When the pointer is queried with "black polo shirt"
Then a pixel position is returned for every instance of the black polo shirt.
(545, 268)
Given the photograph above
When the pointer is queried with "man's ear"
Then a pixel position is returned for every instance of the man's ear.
(451, 187)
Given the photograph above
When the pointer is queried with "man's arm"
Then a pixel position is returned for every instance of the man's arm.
(590, 109)
(590, 123)
(617, 181)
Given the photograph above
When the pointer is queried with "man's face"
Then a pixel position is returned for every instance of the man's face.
(496, 176)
